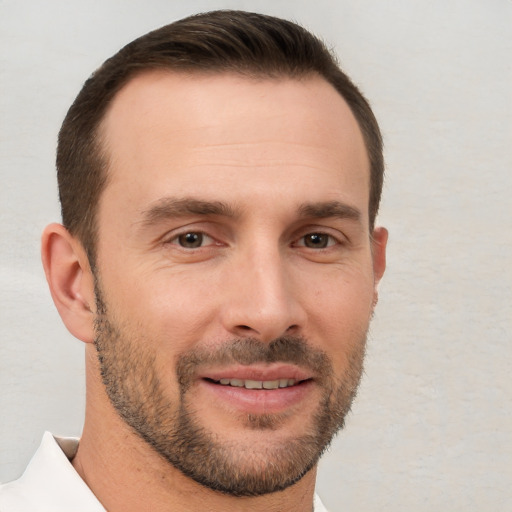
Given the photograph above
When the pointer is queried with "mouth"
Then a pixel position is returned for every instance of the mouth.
(258, 390)
(258, 384)
(273, 377)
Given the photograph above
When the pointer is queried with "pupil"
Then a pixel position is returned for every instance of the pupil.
(191, 240)
(316, 240)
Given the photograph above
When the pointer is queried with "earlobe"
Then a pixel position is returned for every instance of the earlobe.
(379, 243)
(70, 280)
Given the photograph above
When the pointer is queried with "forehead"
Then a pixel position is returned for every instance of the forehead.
(167, 130)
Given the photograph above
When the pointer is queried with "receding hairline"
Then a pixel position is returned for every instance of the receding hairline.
(248, 75)
(102, 139)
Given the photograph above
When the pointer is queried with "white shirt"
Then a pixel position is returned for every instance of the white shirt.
(51, 484)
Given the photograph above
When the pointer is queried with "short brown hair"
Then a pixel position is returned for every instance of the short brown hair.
(250, 44)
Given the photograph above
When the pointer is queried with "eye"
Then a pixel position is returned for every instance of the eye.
(192, 240)
(317, 241)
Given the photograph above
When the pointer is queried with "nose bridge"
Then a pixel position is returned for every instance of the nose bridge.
(262, 301)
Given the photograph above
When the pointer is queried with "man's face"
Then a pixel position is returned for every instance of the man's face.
(234, 272)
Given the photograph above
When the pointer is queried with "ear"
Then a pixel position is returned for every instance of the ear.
(379, 243)
(70, 280)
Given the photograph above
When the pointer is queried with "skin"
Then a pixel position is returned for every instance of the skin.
(265, 148)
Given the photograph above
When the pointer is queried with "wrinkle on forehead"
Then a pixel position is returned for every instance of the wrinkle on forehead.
(210, 105)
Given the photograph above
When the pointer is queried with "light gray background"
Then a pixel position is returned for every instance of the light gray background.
(431, 428)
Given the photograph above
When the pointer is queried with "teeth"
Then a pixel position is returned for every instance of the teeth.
(270, 384)
(258, 384)
(253, 384)
(284, 383)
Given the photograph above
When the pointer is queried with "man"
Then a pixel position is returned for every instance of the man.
(219, 181)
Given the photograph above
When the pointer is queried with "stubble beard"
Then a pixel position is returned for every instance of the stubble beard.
(174, 431)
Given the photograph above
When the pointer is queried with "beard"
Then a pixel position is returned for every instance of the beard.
(173, 428)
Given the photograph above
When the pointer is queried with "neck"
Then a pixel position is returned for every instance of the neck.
(126, 474)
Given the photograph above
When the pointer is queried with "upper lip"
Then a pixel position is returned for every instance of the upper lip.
(257, 372)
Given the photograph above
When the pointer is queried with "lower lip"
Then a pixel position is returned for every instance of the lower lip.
(259, 401)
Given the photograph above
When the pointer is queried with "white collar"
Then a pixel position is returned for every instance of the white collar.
(50, 483)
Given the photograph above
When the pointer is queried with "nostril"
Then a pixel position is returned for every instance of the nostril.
(245, 327)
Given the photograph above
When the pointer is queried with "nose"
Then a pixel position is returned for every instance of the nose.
(263, 300)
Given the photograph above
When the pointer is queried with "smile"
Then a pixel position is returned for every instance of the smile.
(258, 384)
(258, 390)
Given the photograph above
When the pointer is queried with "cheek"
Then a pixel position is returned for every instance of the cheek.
(342, 292)
(169, 311)
(340, 313)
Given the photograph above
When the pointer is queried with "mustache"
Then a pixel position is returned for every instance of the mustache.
(246, 351)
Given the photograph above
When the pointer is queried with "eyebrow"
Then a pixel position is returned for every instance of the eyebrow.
(323, 210)
(171, 207)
